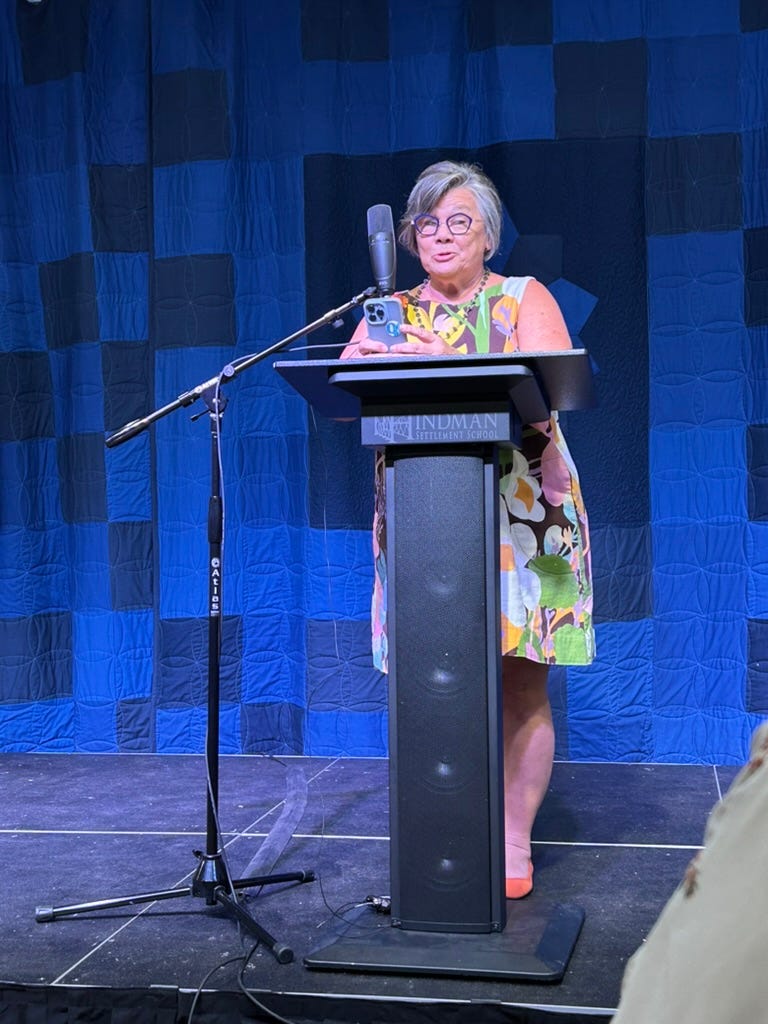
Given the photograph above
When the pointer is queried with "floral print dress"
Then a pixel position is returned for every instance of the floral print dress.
(546, 579)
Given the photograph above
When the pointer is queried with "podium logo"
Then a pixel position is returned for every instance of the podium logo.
(488, 426)
(392, 429)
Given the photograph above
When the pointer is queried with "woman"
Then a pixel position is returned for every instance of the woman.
(452, 223)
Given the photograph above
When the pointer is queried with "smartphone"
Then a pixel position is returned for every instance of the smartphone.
(383, 318)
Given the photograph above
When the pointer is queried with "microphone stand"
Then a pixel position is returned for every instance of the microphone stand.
(211, 880)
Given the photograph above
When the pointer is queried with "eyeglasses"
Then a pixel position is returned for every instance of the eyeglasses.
(457, 223)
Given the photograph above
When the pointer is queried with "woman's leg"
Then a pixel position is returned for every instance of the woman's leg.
(529, 746)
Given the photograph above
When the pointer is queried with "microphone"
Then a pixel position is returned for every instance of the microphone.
(381, 246)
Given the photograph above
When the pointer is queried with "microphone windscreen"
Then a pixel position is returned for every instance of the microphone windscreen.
(380, 220)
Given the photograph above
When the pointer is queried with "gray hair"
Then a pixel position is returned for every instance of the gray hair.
(433, 183)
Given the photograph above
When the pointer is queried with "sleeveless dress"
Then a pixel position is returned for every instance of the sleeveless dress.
(546, 578)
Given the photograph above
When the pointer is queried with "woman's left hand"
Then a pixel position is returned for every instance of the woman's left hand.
(426, 344)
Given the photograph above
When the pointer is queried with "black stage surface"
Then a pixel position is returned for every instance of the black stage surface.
(613, 839)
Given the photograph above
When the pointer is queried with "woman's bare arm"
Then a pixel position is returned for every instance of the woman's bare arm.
(540, 323)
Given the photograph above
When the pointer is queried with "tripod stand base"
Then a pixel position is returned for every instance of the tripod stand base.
(210, 883)
(536, 945)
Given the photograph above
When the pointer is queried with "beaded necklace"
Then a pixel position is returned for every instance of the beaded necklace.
(457, 312)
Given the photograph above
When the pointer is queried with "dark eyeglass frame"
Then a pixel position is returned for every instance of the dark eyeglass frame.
(430, 219)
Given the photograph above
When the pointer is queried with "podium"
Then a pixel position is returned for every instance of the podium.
(442, 422)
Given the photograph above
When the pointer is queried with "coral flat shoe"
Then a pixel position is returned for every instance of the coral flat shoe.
(518, 887)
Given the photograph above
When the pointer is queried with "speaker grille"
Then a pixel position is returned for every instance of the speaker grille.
(438, 609)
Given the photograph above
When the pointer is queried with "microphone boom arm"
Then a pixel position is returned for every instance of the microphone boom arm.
(232, 370)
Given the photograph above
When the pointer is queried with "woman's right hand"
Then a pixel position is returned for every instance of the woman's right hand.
(362, 346)
(368, 347)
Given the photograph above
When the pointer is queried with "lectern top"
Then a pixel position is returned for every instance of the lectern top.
(535, 382)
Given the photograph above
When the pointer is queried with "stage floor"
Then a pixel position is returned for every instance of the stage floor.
(613, 839)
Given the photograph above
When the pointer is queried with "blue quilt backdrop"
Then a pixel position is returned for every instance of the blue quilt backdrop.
(185, 182)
